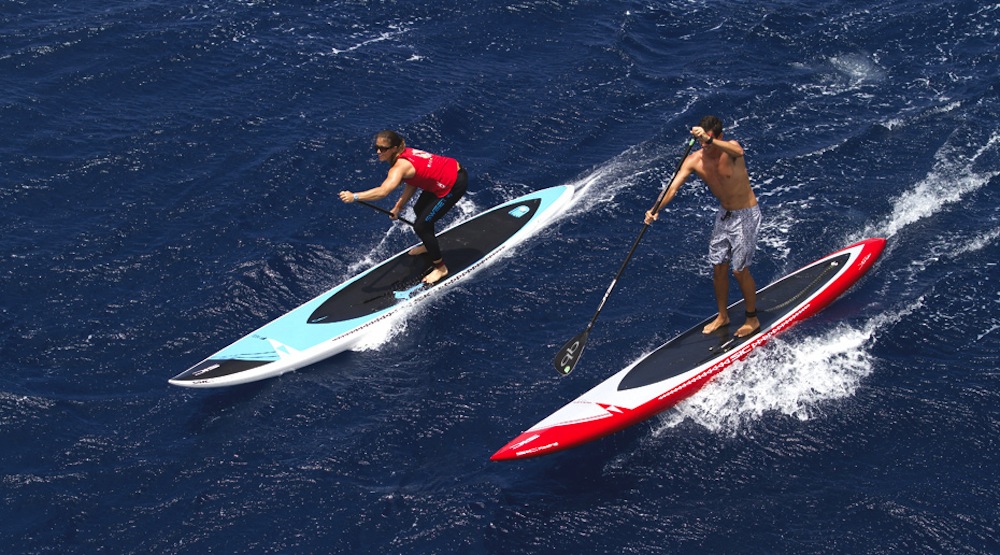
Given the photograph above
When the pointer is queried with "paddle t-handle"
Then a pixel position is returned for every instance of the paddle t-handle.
(567, 357)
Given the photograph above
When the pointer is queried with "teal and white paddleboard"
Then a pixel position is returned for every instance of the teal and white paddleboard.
(340, 318)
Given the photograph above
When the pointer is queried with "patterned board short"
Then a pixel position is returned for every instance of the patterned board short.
(734, 237)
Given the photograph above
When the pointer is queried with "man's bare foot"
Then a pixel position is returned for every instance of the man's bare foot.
(435, 275)
(420, 249)
(719, 321)
(749, 328)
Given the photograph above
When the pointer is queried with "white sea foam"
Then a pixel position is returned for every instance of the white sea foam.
(951, 180)
(382, 37)
(845, 74)
(380, 251)
(384, 332)
(645, 167)
(858, 68)
(600, 186)
(944, 248)
(793, 377)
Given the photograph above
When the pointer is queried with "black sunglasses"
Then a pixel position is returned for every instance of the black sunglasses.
(381, 148)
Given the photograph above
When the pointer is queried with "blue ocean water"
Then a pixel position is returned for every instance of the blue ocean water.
(169, 176)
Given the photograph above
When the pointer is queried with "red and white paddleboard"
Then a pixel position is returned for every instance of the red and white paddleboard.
(683, 365)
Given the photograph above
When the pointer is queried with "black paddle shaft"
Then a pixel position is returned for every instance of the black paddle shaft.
(383, 210)
(569, 355)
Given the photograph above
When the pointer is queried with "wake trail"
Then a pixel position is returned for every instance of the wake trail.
(794, 374)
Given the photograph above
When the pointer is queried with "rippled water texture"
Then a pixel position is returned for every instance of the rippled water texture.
(169, 178)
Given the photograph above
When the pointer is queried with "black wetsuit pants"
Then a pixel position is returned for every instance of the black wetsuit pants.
(429, 209)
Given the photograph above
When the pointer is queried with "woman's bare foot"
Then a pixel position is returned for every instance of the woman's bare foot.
(420, 249)
(436, 273)
(720, 320)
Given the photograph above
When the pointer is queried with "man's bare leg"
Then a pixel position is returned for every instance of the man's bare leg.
(419, 249)
(720, 282)
(749, 290)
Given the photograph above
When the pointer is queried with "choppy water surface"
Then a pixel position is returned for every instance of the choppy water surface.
(169, 179)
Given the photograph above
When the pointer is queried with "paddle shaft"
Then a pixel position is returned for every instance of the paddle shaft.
(614, 281)
(383, 210)
(569, 355)
(635, 243)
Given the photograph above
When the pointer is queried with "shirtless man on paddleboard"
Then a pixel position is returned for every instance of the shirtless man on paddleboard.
(719, 163)
(442, 182)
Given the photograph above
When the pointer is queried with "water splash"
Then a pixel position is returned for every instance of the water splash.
(646, 166)
(363, 43)
(793, 377)
(858, 69)
(951, 180)
(380, 251)
(386, 331)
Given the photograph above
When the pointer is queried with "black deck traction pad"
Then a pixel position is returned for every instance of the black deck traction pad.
(694, 348)
(215, 368)
(461, 247)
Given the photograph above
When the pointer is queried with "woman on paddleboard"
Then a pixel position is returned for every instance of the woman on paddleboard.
(719, 163)
(442, 182)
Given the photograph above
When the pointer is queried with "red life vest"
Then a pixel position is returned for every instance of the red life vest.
(436, 174)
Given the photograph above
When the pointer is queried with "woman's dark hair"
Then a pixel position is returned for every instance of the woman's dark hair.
(395, 139)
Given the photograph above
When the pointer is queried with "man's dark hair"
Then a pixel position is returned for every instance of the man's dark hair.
(711, 124)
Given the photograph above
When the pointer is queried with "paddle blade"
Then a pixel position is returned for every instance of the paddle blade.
(569, 355)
